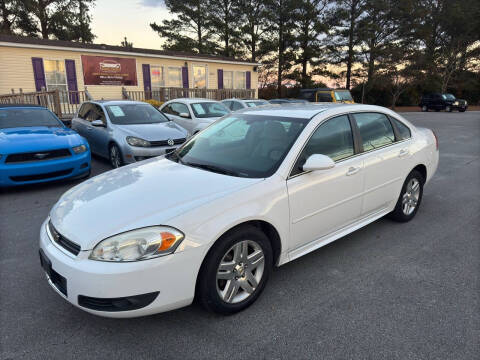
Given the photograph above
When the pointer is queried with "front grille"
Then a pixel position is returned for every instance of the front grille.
(44, 176)
(62, 241)
(38, 156)
(165, 142)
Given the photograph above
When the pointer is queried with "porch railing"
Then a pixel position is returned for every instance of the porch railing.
(65, 103)
(169, 93)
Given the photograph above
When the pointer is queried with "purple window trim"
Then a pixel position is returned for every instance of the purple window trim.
(185, 77)
(248, 80)
(38, 74)
(220, 78)
(147, 81)
(71, 81)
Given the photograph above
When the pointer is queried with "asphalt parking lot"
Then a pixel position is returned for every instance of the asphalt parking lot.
(387, 291)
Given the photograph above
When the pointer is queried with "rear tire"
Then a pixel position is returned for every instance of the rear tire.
(410, 198)
(235, 271)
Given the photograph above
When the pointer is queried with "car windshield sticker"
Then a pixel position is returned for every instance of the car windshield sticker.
(117, 111)
(199, 109)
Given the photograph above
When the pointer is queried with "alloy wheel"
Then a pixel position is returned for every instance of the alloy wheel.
(240, 271)
(411, 196)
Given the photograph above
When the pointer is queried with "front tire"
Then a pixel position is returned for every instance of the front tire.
(448, 109)
(424, 108)
(115, 156)
(235, 271)
(410, 198)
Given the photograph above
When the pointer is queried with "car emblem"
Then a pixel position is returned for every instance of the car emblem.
(170, 142)
(41, 156)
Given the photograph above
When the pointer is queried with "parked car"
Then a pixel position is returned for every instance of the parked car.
(35, 146)
(258, 188)
(287, 101)
(327, 95)
(126, 131)
(447, 102)
(238, 104)
(193, 114)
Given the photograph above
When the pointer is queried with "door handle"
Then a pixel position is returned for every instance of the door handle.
(352, 170)
(403, 152)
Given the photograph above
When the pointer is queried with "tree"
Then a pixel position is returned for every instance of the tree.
(252, 27)
(125, 43)
(225, 18)
(10, 15)
(60, 19)
(377, 29)
(310, 23)
(190, 30)
(279, 41)
(345, 17)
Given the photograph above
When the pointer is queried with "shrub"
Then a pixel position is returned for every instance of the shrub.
(154, 103)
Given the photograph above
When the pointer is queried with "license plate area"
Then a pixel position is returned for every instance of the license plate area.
(57, 280)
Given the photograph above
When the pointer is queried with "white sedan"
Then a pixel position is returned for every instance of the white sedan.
(257, 189)
(193, 114)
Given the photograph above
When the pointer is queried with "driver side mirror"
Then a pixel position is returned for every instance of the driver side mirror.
(184, 115)
(318, 162)
(98, 123)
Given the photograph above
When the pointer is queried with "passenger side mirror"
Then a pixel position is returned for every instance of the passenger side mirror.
(184, 115)
(98, 123)
(318, 162)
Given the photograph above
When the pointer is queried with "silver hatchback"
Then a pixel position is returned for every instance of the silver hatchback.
(127, 131)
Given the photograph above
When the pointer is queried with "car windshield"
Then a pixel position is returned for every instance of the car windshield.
(343, 96)
(449, 97)
(130, 114)
(209, 109)
(241, 145)
(255, 103)
(27, 117)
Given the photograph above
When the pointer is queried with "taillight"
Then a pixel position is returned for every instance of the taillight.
(436, 139)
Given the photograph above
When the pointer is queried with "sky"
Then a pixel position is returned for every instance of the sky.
(112, 20)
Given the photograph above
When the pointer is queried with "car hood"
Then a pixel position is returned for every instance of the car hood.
(135, 196)
(30, 139)
(155, 132)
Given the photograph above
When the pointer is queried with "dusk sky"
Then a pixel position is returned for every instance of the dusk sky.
(114, 19)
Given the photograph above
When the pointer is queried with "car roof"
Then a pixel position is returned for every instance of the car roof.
(115, 102)
(192, 100)
(309, 110)
(21, 105)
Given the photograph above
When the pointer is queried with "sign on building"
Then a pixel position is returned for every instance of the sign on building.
(103, 70)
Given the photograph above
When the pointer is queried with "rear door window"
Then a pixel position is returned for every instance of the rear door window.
(375, 130)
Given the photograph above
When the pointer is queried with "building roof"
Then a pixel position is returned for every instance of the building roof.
(23, 41)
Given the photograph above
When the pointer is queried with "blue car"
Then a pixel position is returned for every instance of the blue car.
(35, 146)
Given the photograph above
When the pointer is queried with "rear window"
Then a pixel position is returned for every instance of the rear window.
(27, 117)
(343, 96)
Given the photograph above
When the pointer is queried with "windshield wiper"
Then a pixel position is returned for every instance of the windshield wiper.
(213, 168)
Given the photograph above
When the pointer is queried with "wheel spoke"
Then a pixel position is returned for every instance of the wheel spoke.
(230, 290)
(416, 186)
(237, 252)
(246, 286)
(255, 258)
(251, 279)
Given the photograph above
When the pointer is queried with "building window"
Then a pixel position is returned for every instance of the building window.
(228, 79)
(55, 75)
(199, 76)
(175, 77)
(240, 80)
(157, 78)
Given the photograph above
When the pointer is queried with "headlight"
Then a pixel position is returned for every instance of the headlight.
(140, 244)
(134, 141)
(79, 149)
(455, 103)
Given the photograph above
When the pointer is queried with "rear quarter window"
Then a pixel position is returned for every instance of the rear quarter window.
(403, 130)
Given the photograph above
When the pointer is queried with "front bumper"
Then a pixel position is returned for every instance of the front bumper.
(133, 154)
(172, 276)
(13, 174)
